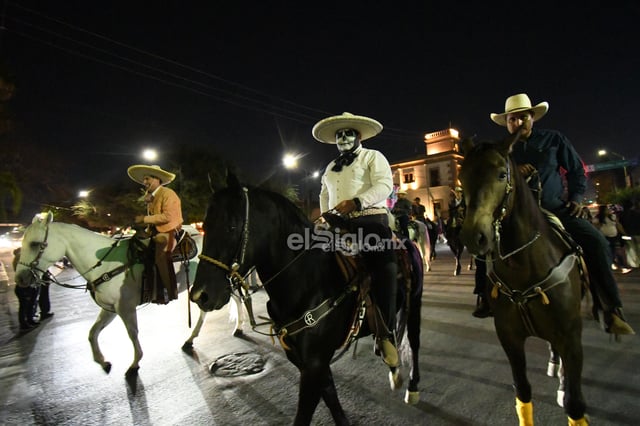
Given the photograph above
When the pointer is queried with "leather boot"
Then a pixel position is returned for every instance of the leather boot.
(483, 310)
(616, 324)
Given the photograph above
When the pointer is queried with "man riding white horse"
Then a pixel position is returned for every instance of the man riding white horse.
(164, 217)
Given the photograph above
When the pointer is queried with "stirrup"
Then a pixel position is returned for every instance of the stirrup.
(388, 351)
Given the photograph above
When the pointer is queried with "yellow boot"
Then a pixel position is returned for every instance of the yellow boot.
(580, 422)
(525, 412)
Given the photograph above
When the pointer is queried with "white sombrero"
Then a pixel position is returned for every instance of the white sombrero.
(517, 103)
(325, 130)
(139, 171)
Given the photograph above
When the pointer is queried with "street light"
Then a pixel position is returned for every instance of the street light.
(290, 161)
(83, 193)
(149, 154)
(627, 178)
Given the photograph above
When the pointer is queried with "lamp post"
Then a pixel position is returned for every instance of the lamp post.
(627, 178)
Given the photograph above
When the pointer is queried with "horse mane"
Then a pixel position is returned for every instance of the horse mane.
(290, 211)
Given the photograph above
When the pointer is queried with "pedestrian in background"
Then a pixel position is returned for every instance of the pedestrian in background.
(27, 300)
(607, 223)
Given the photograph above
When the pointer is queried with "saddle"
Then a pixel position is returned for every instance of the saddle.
(358, 278)
(141, 251)
(186, 248)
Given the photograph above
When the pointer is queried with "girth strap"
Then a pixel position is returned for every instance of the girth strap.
(557, 276)
(107, 277)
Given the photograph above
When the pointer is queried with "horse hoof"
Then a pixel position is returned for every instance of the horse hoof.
(131, 372)
(552, 369)
(560, 398)
(187, 347)
(106, 367)
(412, 398)
(238, 333)
(395, 379)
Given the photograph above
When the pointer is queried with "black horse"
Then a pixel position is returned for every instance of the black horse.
(311, 302)
(536, 272)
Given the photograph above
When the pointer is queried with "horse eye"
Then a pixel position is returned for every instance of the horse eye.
(502, 175)
(34, 244)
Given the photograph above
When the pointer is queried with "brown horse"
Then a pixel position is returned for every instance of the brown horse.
(535, 272)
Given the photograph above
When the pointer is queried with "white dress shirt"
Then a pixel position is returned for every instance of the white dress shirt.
(368, 178)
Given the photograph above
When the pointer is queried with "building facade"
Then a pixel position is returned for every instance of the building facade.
(434, 175)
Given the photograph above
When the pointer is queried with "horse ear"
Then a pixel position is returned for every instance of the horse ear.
(466, 145)
(232, 181)
(507, 143)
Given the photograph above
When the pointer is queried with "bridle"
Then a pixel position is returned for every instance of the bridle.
(37, 272)
(33, 265)
(236, 280)
(502, 214)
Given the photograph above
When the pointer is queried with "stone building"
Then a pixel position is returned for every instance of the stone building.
(431, 176)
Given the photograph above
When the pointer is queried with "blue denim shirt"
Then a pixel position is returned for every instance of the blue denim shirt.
(551, 153)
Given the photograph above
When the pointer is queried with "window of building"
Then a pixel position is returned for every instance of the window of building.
(434, 177)
(408, 177)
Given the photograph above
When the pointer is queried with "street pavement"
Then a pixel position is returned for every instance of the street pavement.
(48, 377)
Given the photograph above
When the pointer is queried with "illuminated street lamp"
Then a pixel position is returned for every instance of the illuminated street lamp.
(83, 193)
(627, 178)
(290, 161)
(150, 154)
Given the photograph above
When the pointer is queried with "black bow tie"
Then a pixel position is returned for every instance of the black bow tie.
(345, 159)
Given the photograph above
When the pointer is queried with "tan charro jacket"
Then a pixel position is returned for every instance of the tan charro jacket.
(165, 211)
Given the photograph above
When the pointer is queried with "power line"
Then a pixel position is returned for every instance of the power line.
(243, 101)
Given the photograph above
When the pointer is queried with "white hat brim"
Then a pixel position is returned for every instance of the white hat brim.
(538, 112)
(325, 130)
(139, 171)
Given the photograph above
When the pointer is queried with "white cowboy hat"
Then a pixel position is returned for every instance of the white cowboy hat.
(517, 103)
(325, 130)
(139, 171)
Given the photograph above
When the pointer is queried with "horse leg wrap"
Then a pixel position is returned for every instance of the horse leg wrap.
(584, 421)
(525, 412)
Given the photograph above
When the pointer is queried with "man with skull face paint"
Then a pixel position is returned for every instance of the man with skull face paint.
(356, 185)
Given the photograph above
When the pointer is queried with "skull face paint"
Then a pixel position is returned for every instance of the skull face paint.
(347, 140)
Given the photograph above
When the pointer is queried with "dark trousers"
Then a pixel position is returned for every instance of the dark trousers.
(403, 224)
(381, 262)
(597, 256)
(27, 299)
(481, 288)
(43, 299)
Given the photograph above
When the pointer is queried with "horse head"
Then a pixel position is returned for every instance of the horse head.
(224, 259)
(487, 177)
(37, 252)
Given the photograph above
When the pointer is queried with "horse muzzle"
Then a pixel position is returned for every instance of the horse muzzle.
(477, 238)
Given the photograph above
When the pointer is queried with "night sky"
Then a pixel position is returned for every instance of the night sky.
(247, 80)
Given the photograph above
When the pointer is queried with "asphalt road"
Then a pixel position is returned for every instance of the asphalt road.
(48, 377)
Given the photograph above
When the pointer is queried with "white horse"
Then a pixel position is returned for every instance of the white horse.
(420, 237)
(419, 233)
(114, 280)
